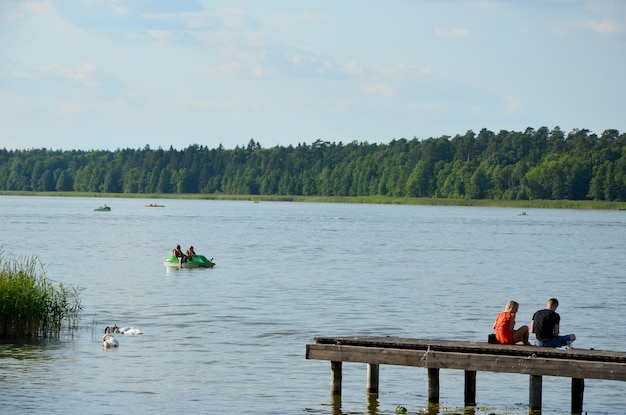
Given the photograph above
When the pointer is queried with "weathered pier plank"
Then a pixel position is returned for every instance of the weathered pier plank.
(471, 357)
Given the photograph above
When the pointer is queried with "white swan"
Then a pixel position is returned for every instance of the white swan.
(108, 341)
(132, 331)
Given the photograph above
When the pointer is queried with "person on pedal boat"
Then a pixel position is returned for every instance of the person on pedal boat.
(178, 253)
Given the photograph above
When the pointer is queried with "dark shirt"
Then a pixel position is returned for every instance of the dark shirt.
(544, 322)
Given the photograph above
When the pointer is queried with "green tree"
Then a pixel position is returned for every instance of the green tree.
(479, 185)
(64, 182)
(164, 184)
(419, 183)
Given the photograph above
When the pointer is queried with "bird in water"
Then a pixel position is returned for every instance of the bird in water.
(109, 341)
(132, 331)
(123, 330)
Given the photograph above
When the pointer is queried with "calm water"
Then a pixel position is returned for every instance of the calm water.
(232, 339)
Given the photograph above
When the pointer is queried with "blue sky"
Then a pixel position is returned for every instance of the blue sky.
(109, 74)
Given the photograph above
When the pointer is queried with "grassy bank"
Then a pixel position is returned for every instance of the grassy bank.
(520, 204)
(30, 305)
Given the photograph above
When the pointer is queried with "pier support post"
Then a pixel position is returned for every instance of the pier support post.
(578, 388)
(534, 393)
(372, 377)
(470, 388)
(335, 378)
(433, 385)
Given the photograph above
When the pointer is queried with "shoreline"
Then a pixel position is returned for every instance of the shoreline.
(387, 200)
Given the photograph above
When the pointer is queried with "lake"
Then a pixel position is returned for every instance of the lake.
(232, 339)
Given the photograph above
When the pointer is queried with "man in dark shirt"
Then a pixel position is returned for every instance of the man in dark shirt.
(545, 325)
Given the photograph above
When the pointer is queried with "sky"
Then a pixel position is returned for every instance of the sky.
(119, 74)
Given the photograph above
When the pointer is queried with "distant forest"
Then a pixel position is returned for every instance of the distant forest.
(533, 164)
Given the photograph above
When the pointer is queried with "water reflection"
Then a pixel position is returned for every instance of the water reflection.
(433, 409)
(373, 408)
(372, 404)
(335, 403)
(469, 410)
(35, 350)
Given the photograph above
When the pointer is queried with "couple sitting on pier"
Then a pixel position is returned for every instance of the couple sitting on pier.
(545, 325)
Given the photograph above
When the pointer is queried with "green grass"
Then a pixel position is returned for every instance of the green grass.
(31, 306)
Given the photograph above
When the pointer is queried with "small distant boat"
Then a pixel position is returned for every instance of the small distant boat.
(521, 213)
(104, 208)
(196, 261)
(255, 201)
(153, 205)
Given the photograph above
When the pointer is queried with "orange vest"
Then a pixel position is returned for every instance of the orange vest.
(503, 328)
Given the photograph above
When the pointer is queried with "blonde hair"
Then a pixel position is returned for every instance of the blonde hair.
(511, 307)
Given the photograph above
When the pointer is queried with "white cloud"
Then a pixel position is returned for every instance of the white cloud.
(426, 70)
(196, 20)
(66, 28)
(258, 71)
(379, 90)
(487, 3)
(15, 72)
(80, 73)
(304, 55)
(605, 26)
(452, 32)
(161, 35)
(283, 18)
(296, 59)
(324, 68)
(352, 68)
(38, 7)
(119, 7)
(230, 68)
(513, 106)
(120, 10)
(65, 108)
(234, 18)
(184, 103)
(402, 68)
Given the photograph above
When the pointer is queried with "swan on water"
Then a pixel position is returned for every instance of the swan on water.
(123, 330)
(109, 341)
(130, 331)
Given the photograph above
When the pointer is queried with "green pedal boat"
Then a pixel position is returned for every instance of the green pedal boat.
(196, 261)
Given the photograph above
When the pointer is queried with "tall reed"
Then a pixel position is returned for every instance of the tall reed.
(31, 306)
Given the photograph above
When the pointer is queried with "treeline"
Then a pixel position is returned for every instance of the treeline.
(533, 164)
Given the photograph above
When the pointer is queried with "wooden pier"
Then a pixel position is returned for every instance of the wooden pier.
(471, 357)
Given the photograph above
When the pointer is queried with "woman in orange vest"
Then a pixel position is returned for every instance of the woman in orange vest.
(505, 326)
